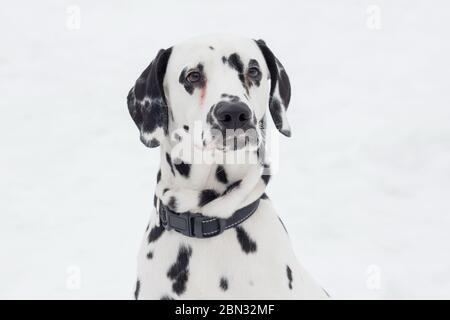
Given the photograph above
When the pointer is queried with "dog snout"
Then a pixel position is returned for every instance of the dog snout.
(233, 115)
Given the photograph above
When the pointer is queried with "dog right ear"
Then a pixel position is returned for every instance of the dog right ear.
(147, 101)
(280, 89)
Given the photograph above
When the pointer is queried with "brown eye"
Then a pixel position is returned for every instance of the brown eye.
(194, 76)
(253, 72)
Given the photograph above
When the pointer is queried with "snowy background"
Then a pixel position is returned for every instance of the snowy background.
(364, 185)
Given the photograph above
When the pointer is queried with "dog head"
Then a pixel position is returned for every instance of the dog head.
(221, 84)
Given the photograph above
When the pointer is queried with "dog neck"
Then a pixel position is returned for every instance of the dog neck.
(212, 189)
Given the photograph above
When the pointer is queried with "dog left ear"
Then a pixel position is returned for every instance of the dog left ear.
(147, 101)
(280, 89)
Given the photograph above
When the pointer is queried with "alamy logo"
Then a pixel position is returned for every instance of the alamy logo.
(73, 19)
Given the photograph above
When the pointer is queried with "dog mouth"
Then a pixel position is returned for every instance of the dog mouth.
(232, 140)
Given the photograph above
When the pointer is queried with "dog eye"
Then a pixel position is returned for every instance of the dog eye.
(253, 72)
(193, 76)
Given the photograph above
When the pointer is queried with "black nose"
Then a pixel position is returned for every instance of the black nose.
(233, 115)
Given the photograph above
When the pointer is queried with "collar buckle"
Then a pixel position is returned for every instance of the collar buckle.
(182, 223)
(198, 226)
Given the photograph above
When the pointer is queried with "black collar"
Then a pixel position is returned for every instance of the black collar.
(199, 226)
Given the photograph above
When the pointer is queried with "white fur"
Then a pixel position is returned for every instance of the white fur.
(256, 275)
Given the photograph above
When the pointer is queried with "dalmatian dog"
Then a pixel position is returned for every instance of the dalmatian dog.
(213, 232)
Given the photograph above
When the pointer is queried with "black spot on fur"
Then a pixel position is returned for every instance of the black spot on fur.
(247, 244)
(177, 137)
(155, 233)
(284, 87)
(153, 143)
(153, 117)
(232, 186)
(262, 123)
(224, 59)
(221, 174)
(150, 255)
(211, 47)
(179, 271)
(186, 128)
(137, 289)
(166, 298)
(207, 196)
(284, 227)
(230, 97)
(235, 62)
(183, 168)
(158, 176)
(264, 196)
(224, 283)
(289, 276)
(266, 178)
(275, 111)
(165, 190)
(172, 203)
(155, 200)
(169, 162)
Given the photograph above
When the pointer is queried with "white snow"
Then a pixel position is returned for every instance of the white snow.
(363, 186)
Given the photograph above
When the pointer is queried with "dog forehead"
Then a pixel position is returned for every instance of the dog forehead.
(211, 50)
